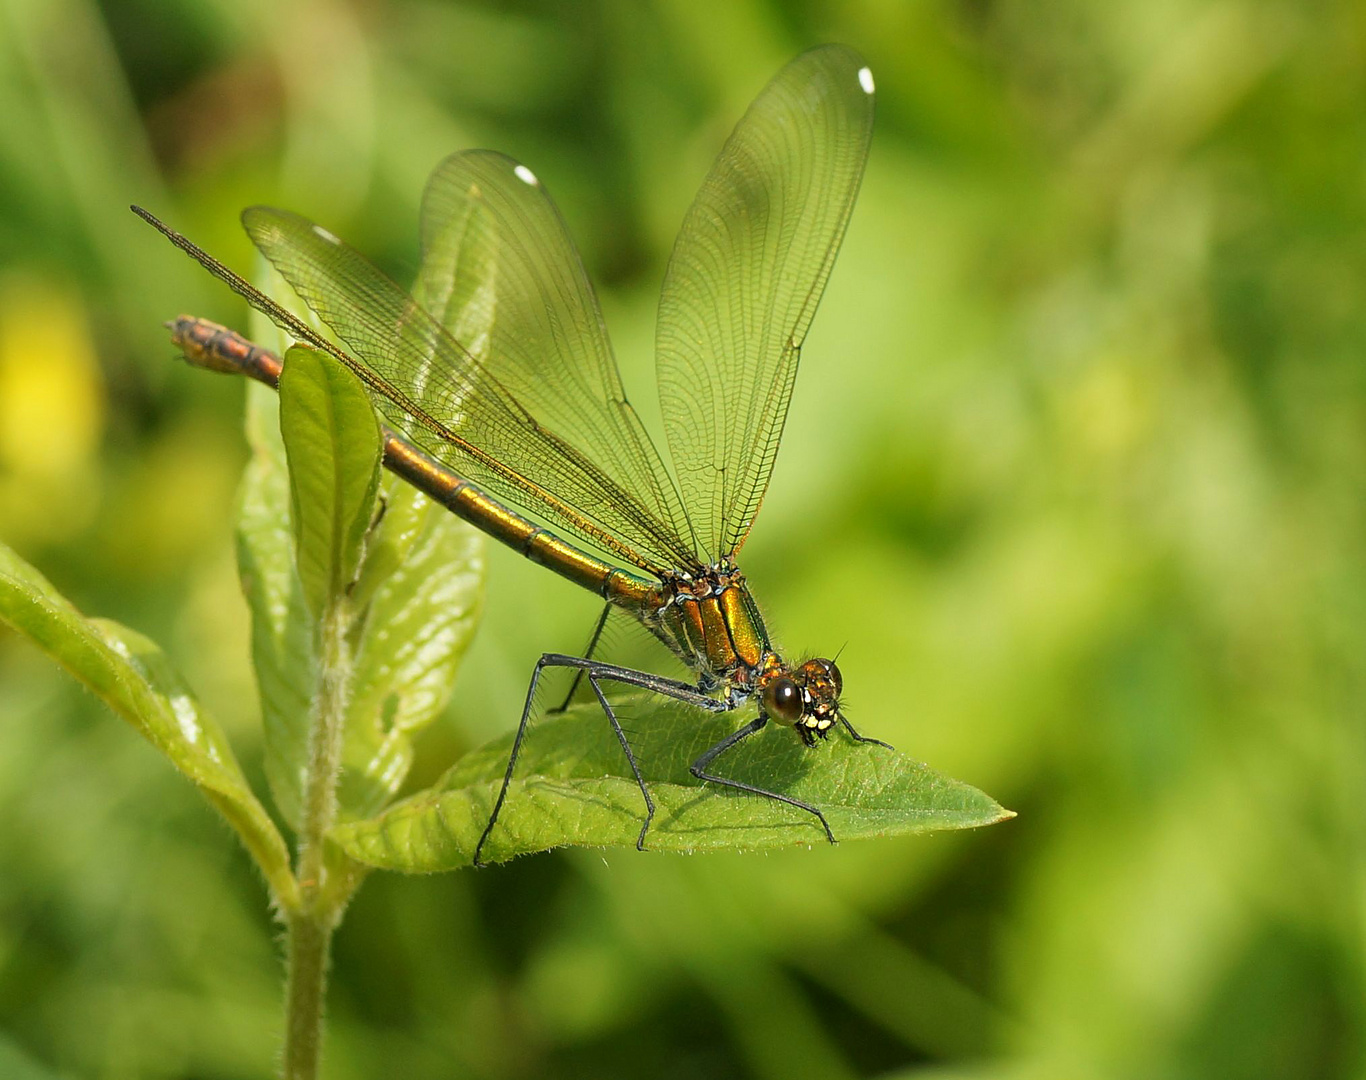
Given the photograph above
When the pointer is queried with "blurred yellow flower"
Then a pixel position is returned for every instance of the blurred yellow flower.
(52, 407)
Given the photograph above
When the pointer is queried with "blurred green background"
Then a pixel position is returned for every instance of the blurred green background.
(1074, 468)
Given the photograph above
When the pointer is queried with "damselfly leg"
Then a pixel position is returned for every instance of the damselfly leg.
(699, 770)
(588, 652)
(598, 672)
(862, 738)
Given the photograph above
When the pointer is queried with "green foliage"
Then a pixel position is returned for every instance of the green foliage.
(421, 586)
(16, 1065)
(423, 582)
(133, 677)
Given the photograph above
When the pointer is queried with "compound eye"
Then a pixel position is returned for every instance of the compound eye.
(783, 700)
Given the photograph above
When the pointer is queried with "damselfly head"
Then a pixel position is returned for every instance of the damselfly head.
(806, 698)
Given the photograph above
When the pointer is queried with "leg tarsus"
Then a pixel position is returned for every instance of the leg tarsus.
(864, 738)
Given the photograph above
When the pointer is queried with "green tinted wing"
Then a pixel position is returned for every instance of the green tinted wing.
(488, 225)
(744, 280)
(532, 411)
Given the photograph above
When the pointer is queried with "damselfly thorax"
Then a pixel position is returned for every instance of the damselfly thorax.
(712, 623)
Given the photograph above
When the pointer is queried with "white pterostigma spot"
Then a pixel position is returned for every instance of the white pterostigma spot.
(525, 175)
(325, 234)
(865, 79)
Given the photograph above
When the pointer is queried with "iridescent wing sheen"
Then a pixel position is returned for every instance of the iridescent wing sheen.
(548, 344)
(531, 408)
(744, 279)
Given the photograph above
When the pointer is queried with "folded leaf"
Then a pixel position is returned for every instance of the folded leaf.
(332, 442)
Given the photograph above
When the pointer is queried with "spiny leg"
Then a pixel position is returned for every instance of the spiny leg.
(512, 759)
(672, 688)
(699, 767)
(587, 655)
(863, 738)
(630, 758)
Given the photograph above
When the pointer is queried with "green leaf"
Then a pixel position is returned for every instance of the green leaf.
(332, 442)
(423, 577)
(282, 628)
(573, 787)
(133, 677)
(421, 585)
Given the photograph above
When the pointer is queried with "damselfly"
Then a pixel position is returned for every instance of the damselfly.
(533, 414)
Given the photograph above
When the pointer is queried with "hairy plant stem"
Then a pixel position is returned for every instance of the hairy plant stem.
(309, 927)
